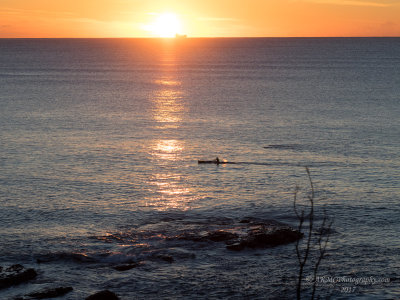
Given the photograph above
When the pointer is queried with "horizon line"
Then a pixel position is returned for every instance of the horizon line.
(205, 37)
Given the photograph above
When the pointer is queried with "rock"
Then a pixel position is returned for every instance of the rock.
(257, 221)
(236, 246)
(50, 293)
(179, 253)
(215, 236)
(167, 258)
(57, 256)
(15, 268)
(266, 237)
(247, 233)
(126, 267)
(221, 236)
(188, 236)
(271, 238)
(15, 274)
(103, 295)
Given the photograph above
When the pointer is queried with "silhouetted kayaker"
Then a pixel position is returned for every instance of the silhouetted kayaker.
(217, 160)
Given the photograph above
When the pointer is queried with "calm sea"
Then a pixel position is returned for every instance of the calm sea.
(99, 142)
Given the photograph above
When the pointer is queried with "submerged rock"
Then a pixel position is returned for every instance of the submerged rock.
(188, 236)
(15, 268)
(237, 246)
(14, 275)
(221, 236)
(103, 295)
(214, 236)
(246, 220)
(126, 267)
(79, 257)
(50, 293)
(164, 257)
(266, 237)
(247, 233)
(179, 253)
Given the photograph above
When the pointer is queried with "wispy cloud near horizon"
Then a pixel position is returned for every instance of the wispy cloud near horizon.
(34, 12)
(217, 19)
(356, 3)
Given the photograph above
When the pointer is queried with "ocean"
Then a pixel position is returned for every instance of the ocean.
(99, 147)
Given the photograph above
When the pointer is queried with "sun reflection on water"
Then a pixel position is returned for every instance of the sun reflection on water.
(171, 192)
(167, 82)
(168, 108)
(168, 186)
(168, 98)
(167, 149)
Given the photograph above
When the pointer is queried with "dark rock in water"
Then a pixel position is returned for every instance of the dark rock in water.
(266, 237)
(126, 267)
(14, 275)
(236, 246)
(188, 236)
(221, 236)
(103, 295)
(257, 221)
(15, 268)
(215, 236)
(247, 233)
(50, 293)
(79, 257)
(167, 258)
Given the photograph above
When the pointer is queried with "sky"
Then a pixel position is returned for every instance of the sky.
(198, 18)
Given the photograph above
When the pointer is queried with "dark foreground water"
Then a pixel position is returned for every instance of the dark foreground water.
(99, 142)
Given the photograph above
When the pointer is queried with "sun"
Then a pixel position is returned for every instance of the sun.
(165, 25)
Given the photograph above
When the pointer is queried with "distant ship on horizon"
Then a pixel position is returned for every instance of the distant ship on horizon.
(180, 36)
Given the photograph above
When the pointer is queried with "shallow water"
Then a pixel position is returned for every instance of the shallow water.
(99, 147)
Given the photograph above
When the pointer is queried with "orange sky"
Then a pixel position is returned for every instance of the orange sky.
(200, 18)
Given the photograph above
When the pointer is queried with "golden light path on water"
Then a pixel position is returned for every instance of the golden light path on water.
(168, 108)
(168, 112)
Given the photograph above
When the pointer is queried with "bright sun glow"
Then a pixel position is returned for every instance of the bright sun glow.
(165, 25)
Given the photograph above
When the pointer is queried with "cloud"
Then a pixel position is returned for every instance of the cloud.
(218, 19)
(18, 11)
(355, 3)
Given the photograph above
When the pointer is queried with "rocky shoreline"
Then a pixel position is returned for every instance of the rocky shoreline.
(17, 274)
(249, 233)
(14, 275)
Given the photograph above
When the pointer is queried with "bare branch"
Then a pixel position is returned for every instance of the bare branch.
(322, 241)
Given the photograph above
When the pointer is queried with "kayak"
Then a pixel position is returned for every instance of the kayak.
(214, 161)
(209, 162)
